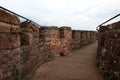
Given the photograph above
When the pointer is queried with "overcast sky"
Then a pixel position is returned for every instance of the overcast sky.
(78, 14)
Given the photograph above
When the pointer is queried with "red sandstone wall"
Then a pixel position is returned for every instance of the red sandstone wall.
(108, 55)
(9, 45)
(65, 39)
(29, 46)
(49, 35)
(24, 45)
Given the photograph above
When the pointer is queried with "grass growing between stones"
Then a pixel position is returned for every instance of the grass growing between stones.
(100, 69)
(97, 64)
(15, 73)
(102, 73)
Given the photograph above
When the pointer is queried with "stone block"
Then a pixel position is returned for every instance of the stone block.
(65, 31)
(9, 40)
(9, 28)
(28, 39)
(30, 27)
(65, 39)
(4, 27)
(8, 18)
(15, 29)
(29, 33)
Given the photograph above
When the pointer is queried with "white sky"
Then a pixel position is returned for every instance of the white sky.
(78, 14)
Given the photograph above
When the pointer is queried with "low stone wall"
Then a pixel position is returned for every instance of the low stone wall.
(81, 38)
(65, 39)
(108, 55)
(24, 45)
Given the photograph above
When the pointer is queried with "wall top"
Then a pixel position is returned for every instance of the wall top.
(9, 18)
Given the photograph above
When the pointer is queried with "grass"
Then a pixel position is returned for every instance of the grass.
(101, 71)
(15, 73)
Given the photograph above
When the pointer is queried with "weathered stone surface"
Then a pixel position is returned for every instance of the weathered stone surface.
(65, 39)
(8, 18)
(108, 55)
(50, 37)
(93, 36)
(15, 29)
(28, 38)
(4, 27)
(114, 25)
(9, 28)
(64, 30)
(30, 27)
(9, 59)
(76, 39)
(9, 40)
(29, 58)
(29, 33)
(81, 38)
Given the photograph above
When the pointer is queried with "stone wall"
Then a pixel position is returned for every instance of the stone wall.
(81, 38)
(108, 55)
(24, 46)
(10, 43)
(65, 34)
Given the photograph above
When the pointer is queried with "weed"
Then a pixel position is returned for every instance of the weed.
(15, 73)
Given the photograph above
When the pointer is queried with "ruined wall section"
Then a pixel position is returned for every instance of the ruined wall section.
(108, 55)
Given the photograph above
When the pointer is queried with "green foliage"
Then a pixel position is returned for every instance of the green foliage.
(101, 71)
(97, 64)
(102, 74)
(15, 73)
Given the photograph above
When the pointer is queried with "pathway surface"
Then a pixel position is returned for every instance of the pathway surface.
(78, 65)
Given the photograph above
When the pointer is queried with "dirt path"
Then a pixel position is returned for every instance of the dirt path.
(78, 65)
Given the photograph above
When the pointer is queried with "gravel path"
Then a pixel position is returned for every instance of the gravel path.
(78, 65)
